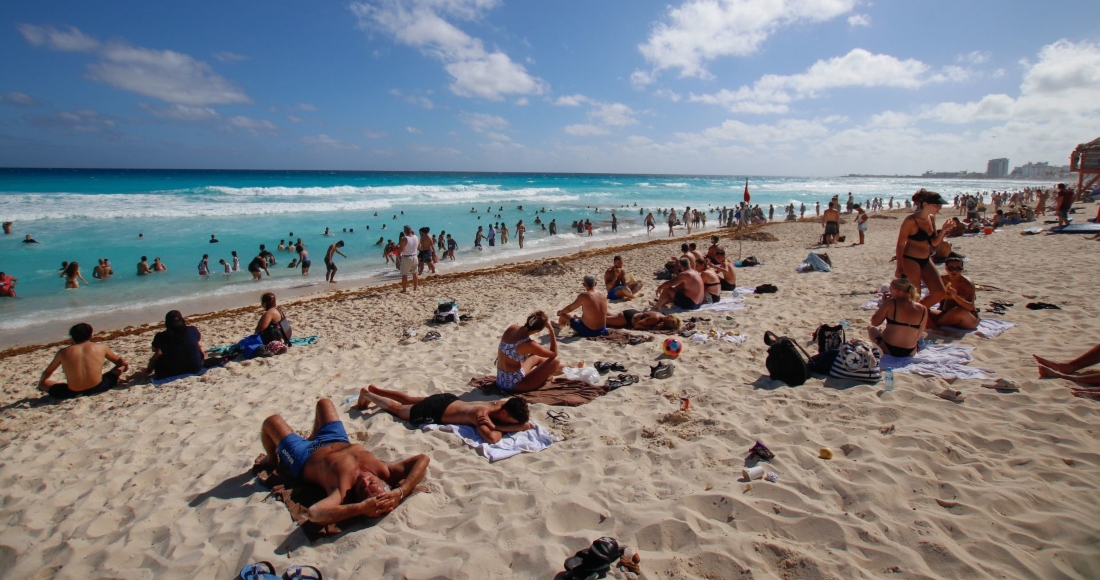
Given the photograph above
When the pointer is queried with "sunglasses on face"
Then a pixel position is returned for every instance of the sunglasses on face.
(954, 269)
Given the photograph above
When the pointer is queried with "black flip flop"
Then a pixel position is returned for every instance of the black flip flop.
(305, 572)
(618, 367)
(602, 367)
(558, 417)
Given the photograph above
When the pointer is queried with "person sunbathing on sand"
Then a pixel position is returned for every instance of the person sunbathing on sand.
(83, 365)
(492, 419)
(522, 364)
(905, 320)
(957, 308)
(639, 320)
(357, 482)
(593, 305)
(618, 286)
(1068, 370)
(686, 290)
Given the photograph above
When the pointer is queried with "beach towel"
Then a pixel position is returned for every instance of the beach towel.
(949, 361)
(683, 328)
(725, 305)
(529, 441)
(158, 382)
(230, 350)
(816, 263)
(559, 392)
(987, 328)
(621, 337)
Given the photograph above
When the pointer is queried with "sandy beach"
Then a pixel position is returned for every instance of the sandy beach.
(148, 482)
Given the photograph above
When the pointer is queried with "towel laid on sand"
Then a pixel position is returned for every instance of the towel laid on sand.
(617, 336)
(158, 382)
(987, 328)
(725, 305)
(560, 391)
(937, 360)
(529, 441)
(229, 349)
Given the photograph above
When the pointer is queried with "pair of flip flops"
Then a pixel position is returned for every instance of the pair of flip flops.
(433, 335)
(605, 368)
(663, 370)
(595, 561)
(265, 571)
(622, 380)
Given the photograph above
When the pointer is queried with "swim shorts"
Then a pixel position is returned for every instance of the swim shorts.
(330, 265)
(294, 450)
(408, 265)
(431, 409)
(611, 293)
(578, 326)
(832, 228)
(305, 263)
(62, 391)
(681, 300)
(424, 256)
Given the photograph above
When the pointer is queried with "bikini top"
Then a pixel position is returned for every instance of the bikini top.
(508, 349)
(921, 235)
(894, 321)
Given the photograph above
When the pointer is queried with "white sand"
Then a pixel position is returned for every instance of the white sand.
(154, 482)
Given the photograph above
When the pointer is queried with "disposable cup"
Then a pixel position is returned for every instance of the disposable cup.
(754, 472)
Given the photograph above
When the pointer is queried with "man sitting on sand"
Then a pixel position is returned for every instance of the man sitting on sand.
(357, 482)
(83, 366)
(593, 305)
(492, 419)
(686, 290)
(618, 287)
(1068, 370)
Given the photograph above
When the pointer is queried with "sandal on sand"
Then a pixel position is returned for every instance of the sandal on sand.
(614, 384)
(953, 395)
(602, 367)
(618, 367)
(629, 379)
(433, 335)
(558, 417)
(302, 573)
(259, 571)
(594, 561)
(1003, 385)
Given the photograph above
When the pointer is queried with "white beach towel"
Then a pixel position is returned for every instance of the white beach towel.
(744, 290)
(726, 304)
(987, 328)
(529, 441)
(949, 361)
(871, 305)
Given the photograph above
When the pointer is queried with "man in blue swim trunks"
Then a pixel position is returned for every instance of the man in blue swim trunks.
(593, 305)
(618, 286)
(686, 290)
(357, 482)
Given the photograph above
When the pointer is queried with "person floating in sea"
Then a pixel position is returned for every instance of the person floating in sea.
(330, 264)
(213, 239)
(356, 482)
(82, 363)
(7, 228)
(29, 240)
(492, 419)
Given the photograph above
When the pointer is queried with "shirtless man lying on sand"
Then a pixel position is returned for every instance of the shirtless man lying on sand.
(492, 419)
(357, 482)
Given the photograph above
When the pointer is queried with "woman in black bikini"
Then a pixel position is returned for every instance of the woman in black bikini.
(957, 309)
(917, 241)
(639, 320)
(905, 320)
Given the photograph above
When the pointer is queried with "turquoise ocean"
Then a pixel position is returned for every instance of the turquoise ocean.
(84, 215)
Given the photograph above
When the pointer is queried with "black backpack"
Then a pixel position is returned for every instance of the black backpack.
(786, 361)
(829, 337)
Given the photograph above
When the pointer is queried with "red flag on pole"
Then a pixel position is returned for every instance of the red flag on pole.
(746, 190)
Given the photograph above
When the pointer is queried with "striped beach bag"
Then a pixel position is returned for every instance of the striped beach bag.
(857, 361)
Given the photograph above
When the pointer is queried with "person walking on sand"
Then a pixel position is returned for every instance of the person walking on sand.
(861, 222)
(406, 260)
(1065, 203)
(492, 419)
(650, 224)
(82, 363)
(330, 261)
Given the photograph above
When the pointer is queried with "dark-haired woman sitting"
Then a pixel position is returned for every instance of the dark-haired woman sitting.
(176, 350)
(522, 364)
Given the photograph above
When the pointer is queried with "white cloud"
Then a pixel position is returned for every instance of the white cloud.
(585, 130)
(14, 98)
(226, 56)
(254, 126)
(484, 123)
(668, 94)
(612, 115)
(414, 100)
(857, 20)
(641, 79)
(167, 75)
(79, 122)
(522, 102)
(71, 40)
(182, 112)
(699, 31)
(413, 130)
(571, 101)
(975, 57)
(476, 71)
(374, 134)
(294, 119)
(306, 107)
(323, 141)
(858, 68)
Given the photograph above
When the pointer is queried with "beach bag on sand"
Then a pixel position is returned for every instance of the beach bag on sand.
(829, 337)
(250, 346)
(857, 361)
(447, 311)
(786, 361)
(594, 561)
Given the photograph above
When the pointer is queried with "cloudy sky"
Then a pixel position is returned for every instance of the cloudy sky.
(761, 87)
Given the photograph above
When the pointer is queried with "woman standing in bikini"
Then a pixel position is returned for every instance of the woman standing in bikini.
(905, 320)
(917, 241)
(71, 275)
(522, 364)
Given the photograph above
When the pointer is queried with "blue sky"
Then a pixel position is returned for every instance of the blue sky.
(763, 87)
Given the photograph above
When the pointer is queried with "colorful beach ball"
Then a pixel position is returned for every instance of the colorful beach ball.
(673, 346)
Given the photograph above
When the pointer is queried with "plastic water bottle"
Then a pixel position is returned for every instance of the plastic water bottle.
(735, 292)
(888, 379)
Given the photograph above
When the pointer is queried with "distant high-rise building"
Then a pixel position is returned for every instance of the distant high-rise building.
(997, 168)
